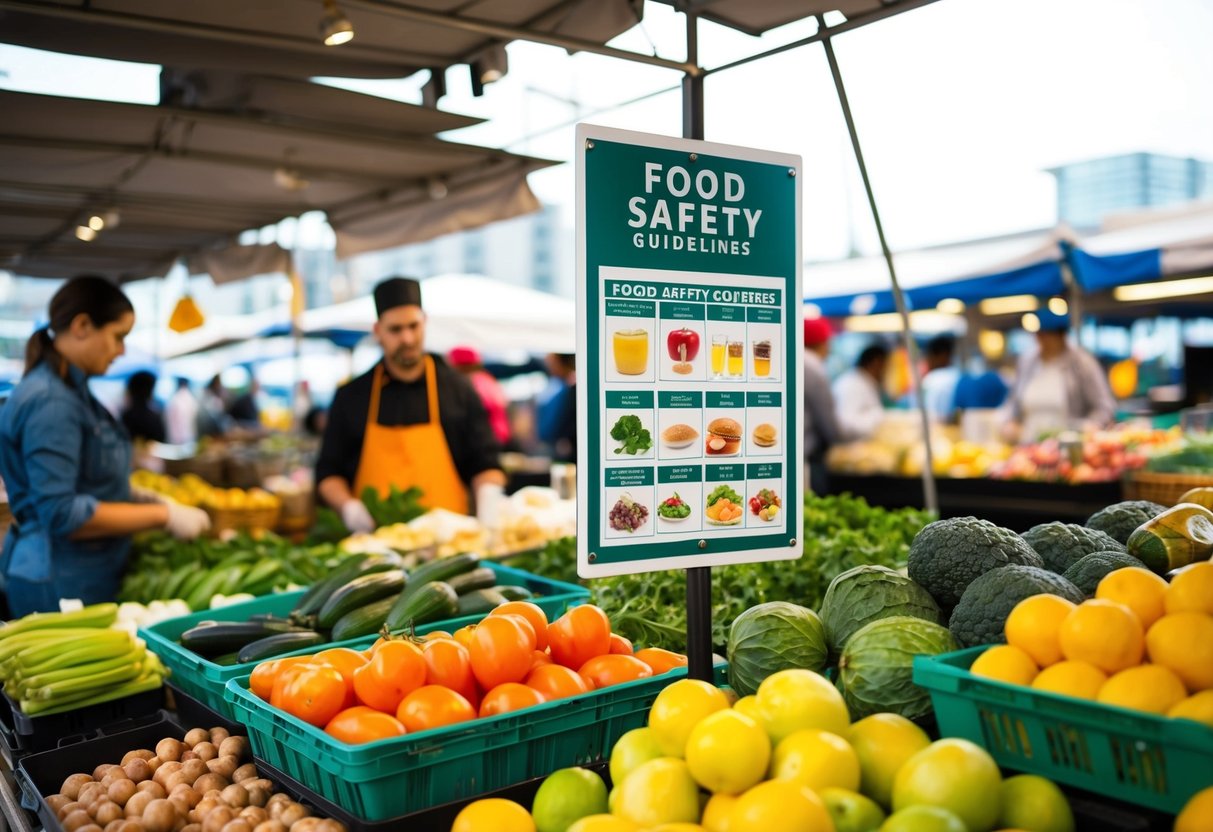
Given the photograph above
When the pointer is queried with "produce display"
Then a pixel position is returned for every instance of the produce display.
(511, 660)
(1181, 535)
(1193, 458)
(203, 782)
(162, 568)
(192, 490)
(55, 662)
(787, 758)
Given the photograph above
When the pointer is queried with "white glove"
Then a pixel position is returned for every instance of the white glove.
(186, 522)
(356, 517)
(146, 495)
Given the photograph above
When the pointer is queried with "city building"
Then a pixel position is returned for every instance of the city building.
(1089, 190)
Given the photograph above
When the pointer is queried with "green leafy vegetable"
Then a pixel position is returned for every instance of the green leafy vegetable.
(633, 435)
(674, 508)
(722, 492)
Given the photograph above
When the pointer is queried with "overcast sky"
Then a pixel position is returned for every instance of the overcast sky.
(960, 105)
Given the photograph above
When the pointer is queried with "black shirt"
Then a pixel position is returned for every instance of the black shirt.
(460, 411)
(143, 421)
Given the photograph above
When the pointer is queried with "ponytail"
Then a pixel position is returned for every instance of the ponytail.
(41, 347)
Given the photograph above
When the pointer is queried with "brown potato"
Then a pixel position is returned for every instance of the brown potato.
(259, 783)
(203, 806)
(89, 827)
(153, 763)
(238, 825)
(166, 768)
(101, 770)
(214, 794)
(89, 793)
(330, 825)
(57, 802)
(153, 788)
(292, 812)
(196, 735)
(188, 792)
(193, 769)
(113, 775)
(137, 770)
(270, 826)
(210, 781)
(138, 754)
(135, 806)
(235, 796)
(257, 796)
(76, 820)
(179, 824)
(248, 771)
(234, 747)
(67, 808)
(115, 826)
(177, 778)
(106, 812)
(276, 799)
(181, 805)
(188, 755)
(206, 750)
(159, 816)
(254, 815)
(218, 735)
(192, 827)
(72, 785)
(131, 825)
(121, 791)
(306, 825)
(223, 766)
(169, 749)
(217, 818)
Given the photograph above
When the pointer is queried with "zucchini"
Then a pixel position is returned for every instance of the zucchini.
(364, 621)
(435, 601)
(358, 593)
(515, 593)
(214, 639)
(278, 644)
(343, 573)
(440, 569)
(480, 601)
(479, 578)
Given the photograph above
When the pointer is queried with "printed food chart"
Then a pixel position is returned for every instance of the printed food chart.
(694, 403)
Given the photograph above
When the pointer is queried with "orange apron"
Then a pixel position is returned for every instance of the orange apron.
(410, 454)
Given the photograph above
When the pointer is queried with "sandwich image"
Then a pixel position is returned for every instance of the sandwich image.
(764, 435)
(679, 436)
(724, 437)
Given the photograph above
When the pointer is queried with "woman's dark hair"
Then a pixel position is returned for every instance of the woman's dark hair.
(88, 294)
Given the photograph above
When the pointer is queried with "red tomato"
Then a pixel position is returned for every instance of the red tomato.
(361, 724)
(611, 669)
(533, 613)
(579, 635)
(555, 681)
(510, 696)
(620, 645)
(432, 706)
(501, 651)
(662, 661)
(396, 670)
(315, 694)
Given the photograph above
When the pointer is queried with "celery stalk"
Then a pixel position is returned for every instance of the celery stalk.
(91, 682)
(133, 656)
(104, 645)
(145, 682)
(96, 615)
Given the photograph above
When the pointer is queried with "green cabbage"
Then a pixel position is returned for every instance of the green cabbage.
(771, 637)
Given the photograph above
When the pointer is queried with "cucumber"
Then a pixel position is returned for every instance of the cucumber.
(217, 638)
(265, 569)
(480, 601)
(358, 593)
(479, 578)
(278, 644)
(514, 593)
(364, 621)
(440, 569)
(435, 601)
(343, 573)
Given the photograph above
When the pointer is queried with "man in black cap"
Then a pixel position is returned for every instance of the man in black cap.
(411, 420)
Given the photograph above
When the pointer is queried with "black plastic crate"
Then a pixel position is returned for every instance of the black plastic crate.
(191, 713)
(33, 734)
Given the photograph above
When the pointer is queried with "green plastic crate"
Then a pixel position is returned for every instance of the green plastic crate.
(394, 777)
(1140, 758)
(204, 680)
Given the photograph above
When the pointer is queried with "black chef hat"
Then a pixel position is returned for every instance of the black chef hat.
(396, 291)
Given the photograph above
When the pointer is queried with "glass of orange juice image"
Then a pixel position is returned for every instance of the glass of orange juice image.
(736, 353)
(761, 351)
(631, 348)
(719, 343)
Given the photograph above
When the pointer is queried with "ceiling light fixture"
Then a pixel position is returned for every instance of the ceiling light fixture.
(950, 306)
(96, 222)
(335, 27)
(1009, 305)
(1030, 322)
(289, 179)
(489, 66)
(85, 233)
(1058, 306)
(1164, 289)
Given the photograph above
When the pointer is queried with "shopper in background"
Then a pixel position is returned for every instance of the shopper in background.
(558, 408)
(66, 461)
(1060, 386)
(858, 393)
(940, 379)
(245, 410)
(212, 412)
(468, 362)
(820, 417)
(181, 413)
(411, 420)
(141, 415)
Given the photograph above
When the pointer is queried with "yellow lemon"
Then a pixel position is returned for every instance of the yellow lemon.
(816, 759)
(1078, 679)
(604, 823)
(1183, 642)
(1104, 633)
(1150, 687)
(953, 774)
(1034, 626)
(748, 705)
(1197, 813)
(493, 815)
(1198, 707)
(883, 742)
(782, 805)
(1191, 590)
(791, 700)
(659, 791)
(728, 752)
(716, 813)
(679, 708)
(1138, 589)
(1006, 663)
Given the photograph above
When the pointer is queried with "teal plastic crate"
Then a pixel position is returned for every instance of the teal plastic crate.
(1137, 757)
(204, 680)
(390, 778)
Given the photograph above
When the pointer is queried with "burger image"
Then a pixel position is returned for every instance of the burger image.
(679, 436)
(764, 435)
(724, 437)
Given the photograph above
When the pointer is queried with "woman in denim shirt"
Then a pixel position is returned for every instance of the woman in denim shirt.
(66, 460)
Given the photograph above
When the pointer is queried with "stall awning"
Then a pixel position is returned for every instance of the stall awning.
(1146, 246)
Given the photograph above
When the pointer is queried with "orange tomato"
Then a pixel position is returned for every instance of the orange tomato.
(315, 694)
(261, 682)
(533, 613)
(527, 628)
(556, 681)
(345, 661)
(396, 670)
(579, 635)
(361, 724)
(436, 634)
(620, 645)
(283, 673)
(464, 635)
(448, 663)
(661, 661)
(613, 669)
(432, 706)
(501, 651)
(509, 696)
(539, 657)
(370, 651)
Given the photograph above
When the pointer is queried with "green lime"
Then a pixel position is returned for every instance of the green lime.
(923, 819)
(566, 797)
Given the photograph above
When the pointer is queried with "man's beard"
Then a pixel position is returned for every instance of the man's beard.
(403, 361)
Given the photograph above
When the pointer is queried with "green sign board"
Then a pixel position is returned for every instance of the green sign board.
(689, 291)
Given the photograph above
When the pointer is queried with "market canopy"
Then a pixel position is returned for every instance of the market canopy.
(1146, 246)
(185, 181)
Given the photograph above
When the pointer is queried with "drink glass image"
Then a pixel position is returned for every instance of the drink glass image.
(718, 347)
(762, 358)
(631, 347)
(736, 359)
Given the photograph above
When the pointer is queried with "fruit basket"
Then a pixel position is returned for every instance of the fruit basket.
(1133, 756)
(407, 774)
(1164, 489)
(235, 519)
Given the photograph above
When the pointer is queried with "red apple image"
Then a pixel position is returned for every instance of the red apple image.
(683, 344)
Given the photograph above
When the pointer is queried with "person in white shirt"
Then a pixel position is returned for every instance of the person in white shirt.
(857, 394)
(181, 415)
